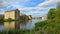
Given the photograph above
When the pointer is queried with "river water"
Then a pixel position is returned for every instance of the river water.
(19, 25)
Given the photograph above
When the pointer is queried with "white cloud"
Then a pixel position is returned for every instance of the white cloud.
(16, 4)
(23, 0)
(41, 6)
(48, 3)
(1, 11)
(3, 4)
(32, 8)
(22, 8)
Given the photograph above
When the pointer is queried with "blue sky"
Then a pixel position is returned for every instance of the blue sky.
(28, 7)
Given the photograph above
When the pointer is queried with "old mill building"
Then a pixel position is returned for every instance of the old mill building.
(13, 14)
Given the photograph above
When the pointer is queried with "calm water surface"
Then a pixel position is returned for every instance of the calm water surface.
(19, 25)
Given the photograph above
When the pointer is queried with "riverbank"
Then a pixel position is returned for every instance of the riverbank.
(16, 31)
(51, 25)
(47, 27)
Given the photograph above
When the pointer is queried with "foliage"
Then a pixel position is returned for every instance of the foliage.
(51, 14)
(11, 32)
(50, 26)
(9, 20)
(16, 31)
(1, 19)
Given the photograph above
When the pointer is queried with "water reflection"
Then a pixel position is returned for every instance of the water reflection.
(19, 25)
(8, 25)
(27, 25)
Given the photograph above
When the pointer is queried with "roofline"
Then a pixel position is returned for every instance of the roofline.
(11, 10)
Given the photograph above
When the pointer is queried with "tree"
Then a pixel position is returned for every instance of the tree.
(9, 20)
(51, 14)
(58, 12)
(54, 14)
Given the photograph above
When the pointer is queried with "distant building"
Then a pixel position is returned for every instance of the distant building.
(13, 14)
(30, 17)
(41, 18)
(44, 17)
(23, 17)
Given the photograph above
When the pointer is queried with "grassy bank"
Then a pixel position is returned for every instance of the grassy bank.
(16, 31)
(47, 27)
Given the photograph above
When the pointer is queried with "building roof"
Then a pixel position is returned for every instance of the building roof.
(11, 10)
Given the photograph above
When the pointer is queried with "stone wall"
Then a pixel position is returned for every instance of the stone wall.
(13, 14)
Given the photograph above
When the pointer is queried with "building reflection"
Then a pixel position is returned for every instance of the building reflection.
(18, 25)
(9, 25)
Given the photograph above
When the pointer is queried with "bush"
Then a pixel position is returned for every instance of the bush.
(9, 20)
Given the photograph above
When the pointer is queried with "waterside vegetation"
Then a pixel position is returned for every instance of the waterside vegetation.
(51, 25)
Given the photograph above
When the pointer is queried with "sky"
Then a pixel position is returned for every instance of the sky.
(35, 8)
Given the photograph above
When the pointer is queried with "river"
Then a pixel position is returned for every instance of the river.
(19, 25)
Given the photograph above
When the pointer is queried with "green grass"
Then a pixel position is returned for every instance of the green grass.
(47, 27)
(16, 31)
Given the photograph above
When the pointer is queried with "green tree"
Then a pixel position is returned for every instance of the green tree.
(9, 20)
(51, 14)
(58, 12)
